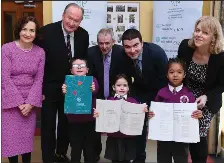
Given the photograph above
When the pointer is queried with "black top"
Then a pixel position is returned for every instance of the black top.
(153, 78)
(96, 66)
(57, 60)
(196, 82)
(214, 84)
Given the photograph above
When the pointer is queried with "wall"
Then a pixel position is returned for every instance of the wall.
(146, 7)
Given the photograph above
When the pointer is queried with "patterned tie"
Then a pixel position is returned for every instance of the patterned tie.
(137, 67)
(69, 47)
(106, 76)
(174, 91)
(121, 97)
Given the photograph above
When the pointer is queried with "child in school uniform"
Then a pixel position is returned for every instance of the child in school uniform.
(120, 148)
(82, 127)
(174, 92)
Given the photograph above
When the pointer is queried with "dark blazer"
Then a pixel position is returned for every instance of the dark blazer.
(96, 67)
(154, 66)
(215, 75)
(57, 61)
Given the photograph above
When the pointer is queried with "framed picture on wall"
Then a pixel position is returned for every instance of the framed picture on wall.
(122, 16)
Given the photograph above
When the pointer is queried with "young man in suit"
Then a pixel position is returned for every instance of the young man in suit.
(147, 63)
(61, 41)
(105, 61)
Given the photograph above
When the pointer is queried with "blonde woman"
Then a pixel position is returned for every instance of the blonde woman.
(204, 57)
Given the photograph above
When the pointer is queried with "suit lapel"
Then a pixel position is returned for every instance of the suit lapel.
(75, 42)
(113, 59)
(100, 63)
(61, 39)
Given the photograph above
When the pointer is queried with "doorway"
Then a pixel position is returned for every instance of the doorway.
(13, 10)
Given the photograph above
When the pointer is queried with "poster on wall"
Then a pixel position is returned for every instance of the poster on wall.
(122, 16)
(174, 21)
(95, 16)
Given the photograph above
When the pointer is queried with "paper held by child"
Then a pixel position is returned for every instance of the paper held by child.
(120, 115)
(173, 122)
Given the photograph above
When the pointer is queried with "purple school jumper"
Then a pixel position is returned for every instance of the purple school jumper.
(120, 147)
(168, 149)
(183, 96)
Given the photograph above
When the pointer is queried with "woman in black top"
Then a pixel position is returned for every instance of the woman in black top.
(204, 57)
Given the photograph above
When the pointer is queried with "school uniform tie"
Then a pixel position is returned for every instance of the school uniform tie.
(137, 67)
(106, 75)
(69, 47)
(121, 97)
(174, 91)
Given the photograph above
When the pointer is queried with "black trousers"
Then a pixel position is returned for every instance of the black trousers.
(48, 127)
(166, 150)
(26, 158)
(199, 151)
(141, 141)
(83, 138)
(98, 147)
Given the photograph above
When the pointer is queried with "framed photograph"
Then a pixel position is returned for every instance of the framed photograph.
(120, 8)
(132, 8)
(132, 18)
(120, 28)
(122, 16)
(110, 8)
(119, 36)
(108, 18)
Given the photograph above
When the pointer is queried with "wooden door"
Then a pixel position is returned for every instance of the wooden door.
(13, 10)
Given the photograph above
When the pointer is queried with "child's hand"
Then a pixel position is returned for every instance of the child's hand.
(151, 114)
(93, 88)
(95, 113)
(64, 88)
(145, 108)
(197, 114)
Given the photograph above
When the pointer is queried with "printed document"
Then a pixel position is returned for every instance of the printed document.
(173, 122)
(120, 115)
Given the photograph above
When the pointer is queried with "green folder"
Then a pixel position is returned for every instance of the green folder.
(78, 99)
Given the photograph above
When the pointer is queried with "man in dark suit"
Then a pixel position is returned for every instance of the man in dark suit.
(61, 41)
(105, 61)
(147, 64)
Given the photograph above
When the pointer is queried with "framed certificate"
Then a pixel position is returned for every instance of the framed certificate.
(78, 99)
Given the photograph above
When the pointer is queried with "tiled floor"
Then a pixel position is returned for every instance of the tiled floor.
(151, 152)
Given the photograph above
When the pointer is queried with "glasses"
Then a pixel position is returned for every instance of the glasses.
(79, 65)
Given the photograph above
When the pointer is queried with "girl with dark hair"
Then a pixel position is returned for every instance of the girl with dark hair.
(174, 92)
(120, 148)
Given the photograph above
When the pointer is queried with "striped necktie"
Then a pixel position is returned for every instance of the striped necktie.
(69, 47)
(174, 91)
(106, 75)
(137, 67)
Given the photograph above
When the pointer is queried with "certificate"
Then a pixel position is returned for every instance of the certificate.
(78, 98)
(120, 115)
(173, 122)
